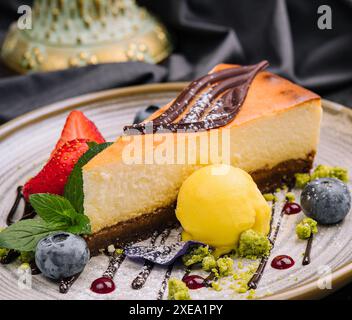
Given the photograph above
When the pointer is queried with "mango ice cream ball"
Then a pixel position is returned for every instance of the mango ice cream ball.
(219, 202)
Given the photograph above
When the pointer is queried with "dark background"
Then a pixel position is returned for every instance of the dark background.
(204, 33)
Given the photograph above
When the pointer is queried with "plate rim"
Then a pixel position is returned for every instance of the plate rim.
(340, 277)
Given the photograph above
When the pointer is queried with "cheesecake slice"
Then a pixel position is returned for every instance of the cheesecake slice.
(269, 129)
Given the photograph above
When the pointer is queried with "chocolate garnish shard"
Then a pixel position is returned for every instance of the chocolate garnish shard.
(228, 88)
(162, 255)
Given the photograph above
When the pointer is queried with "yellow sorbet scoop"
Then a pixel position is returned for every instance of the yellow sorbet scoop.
(219, 202)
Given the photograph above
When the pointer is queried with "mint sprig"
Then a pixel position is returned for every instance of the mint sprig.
(56, 209)
(74, 186)
(55, 214)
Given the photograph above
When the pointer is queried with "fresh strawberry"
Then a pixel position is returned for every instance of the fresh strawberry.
(53, 177)
(78, 126)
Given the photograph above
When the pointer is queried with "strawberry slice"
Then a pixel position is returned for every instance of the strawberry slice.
(53, 177)
(78, 126)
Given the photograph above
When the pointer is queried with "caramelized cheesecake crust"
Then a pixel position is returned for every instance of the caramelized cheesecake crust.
(143, 226)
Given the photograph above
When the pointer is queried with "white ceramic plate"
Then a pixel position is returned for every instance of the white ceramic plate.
(25, 144)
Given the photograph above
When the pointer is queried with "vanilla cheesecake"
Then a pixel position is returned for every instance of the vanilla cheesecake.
(250, 118)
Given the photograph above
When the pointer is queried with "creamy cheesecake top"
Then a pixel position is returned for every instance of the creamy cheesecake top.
(268, 94)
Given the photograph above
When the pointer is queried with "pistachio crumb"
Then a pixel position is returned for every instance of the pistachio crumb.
(195, 255)
(119, 251)
(25, 266)
(251, 294)
(208, 263)
(290, 197)
(306, 228)
(216, 285)
(270, 197)
(225, 266)
(3, 252)
(253, 245)
(26, 256)
(178, 290)
(321, 171)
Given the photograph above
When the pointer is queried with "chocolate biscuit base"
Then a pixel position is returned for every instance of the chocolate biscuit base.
(142, 227)
(268, 180)
(132, 230)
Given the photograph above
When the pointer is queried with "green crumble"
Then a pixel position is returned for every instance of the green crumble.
(270, 197)
(25, 266)
(242, 278)
(178, 290)
(118, 251)
(3, 252)
(253, 245)
(302, 179)
(321, 171)
(216, 286)
(305, 228)
(221, 267)
(26, 257)
(195, 255)
(224, 266)
(290, 197)
(208, 263)
(251, 294)
(240, 287)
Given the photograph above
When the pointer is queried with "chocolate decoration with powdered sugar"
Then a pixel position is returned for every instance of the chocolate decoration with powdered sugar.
(225, 92)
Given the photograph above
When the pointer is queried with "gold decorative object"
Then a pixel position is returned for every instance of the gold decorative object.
(72, 33)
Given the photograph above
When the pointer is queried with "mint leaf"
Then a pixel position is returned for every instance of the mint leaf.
(24, 235)
(56, 209)
(81, 226)
(74, 186)
(53, 208)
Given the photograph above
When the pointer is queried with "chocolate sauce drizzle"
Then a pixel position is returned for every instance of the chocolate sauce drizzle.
(306, 257)
(164, 282)
(167, 276)
(208, 280)
(19, 197)
(254, 281)
(114, 265)
(66, 284)
(143, 275)
(28, 212)
(115, 262)
(218, 106)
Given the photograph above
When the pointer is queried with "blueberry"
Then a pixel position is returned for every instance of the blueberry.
(61, 255)
(326, 200)
(145, 113)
